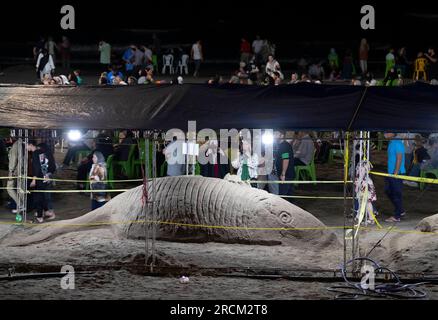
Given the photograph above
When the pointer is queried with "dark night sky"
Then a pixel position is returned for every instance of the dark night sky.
(221, 23)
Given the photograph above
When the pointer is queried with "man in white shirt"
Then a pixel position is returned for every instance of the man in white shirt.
(257, 47)
(304, 149)
(197, 56)
(147, 56)
(105, 54)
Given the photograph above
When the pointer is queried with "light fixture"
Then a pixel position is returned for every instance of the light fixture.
(74, 135)
(268, 138)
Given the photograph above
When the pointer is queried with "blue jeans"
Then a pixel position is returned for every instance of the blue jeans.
(415, 170)
(96, 204)
(394, 191)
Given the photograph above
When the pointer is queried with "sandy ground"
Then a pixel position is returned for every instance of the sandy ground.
(100, 250)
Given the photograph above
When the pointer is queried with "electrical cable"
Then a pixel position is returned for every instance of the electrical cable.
(397, 289)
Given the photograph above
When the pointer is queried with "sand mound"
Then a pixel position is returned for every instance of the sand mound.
(429, 224)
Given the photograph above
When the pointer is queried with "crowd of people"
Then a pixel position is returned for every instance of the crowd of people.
(407, 154)
(255, 68)
(138, 64)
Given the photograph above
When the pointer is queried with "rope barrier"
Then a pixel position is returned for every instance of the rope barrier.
(141, 180)
(201, 226)
(314, 197)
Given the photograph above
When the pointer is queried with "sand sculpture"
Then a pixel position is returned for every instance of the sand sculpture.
(198, 201)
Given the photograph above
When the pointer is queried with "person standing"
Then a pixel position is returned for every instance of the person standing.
(348, 66)
(246, 163)
(64, 47)
(401, 62)
(51, 169)
(39, 46)
(304, 149)
(98, 176)
(174, 158)
(44, 65)
(138, 59)
(432, 69)
(390, 61)
(105, 54)
(283, 168)
(364, 48)
(128, 58)
(197, 56)
(257, 48)
(51, 47)
(42, 165)
(396, 166)
(245, 50)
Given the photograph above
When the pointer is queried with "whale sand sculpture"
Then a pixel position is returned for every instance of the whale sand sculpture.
(211, 209)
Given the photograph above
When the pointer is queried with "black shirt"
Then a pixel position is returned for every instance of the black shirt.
(284, 151)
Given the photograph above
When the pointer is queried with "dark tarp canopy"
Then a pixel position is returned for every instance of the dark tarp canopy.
(162, 107)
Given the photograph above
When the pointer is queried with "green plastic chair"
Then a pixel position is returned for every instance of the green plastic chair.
(110, 171)
(127, 165)
(305, 172)
(335, 153)
(81, 154)
(425, 173)
(389, 65)
(155, 62)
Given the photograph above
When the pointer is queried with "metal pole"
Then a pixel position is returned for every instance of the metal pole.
(146, 202)
(25, 169)
(346, 143)
(153, 198)
(20, 159)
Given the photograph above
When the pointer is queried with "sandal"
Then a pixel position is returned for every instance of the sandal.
(393, 219)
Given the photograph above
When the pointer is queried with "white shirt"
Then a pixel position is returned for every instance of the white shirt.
(50, 46)
(252, 163)
(47, 69)
(390, 56)
(197, 54)
(257, 45)
(148, 55)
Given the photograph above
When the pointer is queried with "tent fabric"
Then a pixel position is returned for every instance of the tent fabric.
(162, 107)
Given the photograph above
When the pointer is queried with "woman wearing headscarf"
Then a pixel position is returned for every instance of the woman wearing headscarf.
(98, 177)
(246, 163)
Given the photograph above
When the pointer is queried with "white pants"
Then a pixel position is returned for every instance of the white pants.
(363, 66)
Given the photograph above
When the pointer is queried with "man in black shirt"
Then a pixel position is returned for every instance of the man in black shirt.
(283, 164)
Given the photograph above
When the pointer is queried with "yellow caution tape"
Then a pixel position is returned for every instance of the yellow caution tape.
(408, 178)
(300, 182)
(346, 156)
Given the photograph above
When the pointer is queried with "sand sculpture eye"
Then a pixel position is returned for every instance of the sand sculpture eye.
(285, 217)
